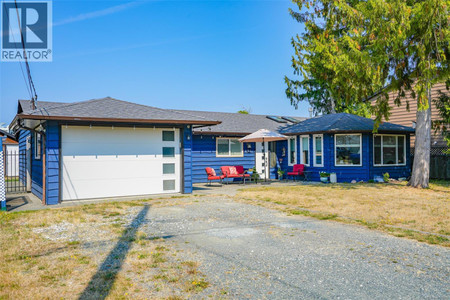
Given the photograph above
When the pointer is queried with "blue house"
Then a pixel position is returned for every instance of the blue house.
(110, 148)
(105, 148)
(344, 144)
(218, 145)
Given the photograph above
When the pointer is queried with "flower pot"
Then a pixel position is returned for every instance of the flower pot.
(324, 179)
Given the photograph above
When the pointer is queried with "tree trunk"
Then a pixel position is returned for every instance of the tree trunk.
(421, 168)
(332, 106)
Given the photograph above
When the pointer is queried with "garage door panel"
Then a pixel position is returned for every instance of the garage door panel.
(95, 164)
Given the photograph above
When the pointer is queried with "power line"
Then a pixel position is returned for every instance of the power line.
(30, 79)
(20, 63)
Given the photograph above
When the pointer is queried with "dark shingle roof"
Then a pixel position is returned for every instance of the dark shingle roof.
(342, 122)
(236, 123)
(108, 109)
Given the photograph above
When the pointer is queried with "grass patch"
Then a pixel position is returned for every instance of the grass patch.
(42, 253)
(376, 206)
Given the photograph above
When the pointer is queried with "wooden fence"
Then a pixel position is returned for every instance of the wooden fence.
(439, 162)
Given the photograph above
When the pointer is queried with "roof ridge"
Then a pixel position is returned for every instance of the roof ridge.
(236, 113)
(64, 105)
(337, 120)
(154, 107)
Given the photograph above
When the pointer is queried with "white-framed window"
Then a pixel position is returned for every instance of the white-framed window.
(348, 149)
(318, 150)
(292, 151)
(304, 150)
(37, 145)
(229, 147)
(389, 150)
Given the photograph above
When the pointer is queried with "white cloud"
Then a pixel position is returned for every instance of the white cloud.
(98, 13)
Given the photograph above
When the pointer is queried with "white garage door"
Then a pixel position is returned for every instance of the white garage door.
(102, 162)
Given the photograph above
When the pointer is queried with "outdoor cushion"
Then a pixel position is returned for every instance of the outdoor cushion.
(210, 171)
(297, 170)
(239, 169)
(233, 171)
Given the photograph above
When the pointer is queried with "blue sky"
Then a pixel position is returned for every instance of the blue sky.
(201, 55)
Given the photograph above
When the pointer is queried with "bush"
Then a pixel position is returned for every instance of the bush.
(386, 177)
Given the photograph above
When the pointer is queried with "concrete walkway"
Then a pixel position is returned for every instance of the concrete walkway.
(28, 201)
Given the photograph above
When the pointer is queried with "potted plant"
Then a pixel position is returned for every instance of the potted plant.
(253, 174)
(280, 174)
(324, 176)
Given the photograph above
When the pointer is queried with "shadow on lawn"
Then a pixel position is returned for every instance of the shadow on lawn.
(101, 283)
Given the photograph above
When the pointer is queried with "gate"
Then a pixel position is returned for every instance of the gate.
(15, 169)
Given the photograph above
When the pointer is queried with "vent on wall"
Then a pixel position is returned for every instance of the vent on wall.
(276, 119)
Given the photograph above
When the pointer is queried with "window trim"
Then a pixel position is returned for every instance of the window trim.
(396, 150)
(36, 157)
(295, 151)
(360, 151)
(229, 148)
(314, 150)
(309, 154)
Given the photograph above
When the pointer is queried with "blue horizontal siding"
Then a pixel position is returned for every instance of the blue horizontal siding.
(204, 155)
(187, 159)
(23, 135)
(36, 170)
(52, 145)
(348, 173)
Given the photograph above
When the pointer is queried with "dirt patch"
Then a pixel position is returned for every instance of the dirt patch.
(93, 251)
(385, 206)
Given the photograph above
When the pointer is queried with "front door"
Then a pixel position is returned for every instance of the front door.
(262, 168)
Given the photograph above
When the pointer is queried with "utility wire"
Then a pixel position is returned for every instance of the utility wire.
(30, 79)
(20, 63)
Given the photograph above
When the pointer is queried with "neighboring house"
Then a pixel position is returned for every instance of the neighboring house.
(344, 144)
(11, 151)
(107, 147)
(400, 115)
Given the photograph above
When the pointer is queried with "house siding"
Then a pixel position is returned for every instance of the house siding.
(402, 116)
(364, 172)
(52, 145)
(187, 159)
(36, 171)
(23, 135)
(204, 155)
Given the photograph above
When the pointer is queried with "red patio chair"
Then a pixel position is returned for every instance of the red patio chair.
(298, 170)
(211, 173)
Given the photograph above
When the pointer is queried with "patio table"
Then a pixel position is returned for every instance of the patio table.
(306, 175)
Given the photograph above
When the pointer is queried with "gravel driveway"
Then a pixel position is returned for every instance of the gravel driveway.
(254, 252)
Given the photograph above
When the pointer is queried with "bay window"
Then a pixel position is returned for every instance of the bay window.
(389, 150)
(318, 150)
(347, 149)
(229, 147)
